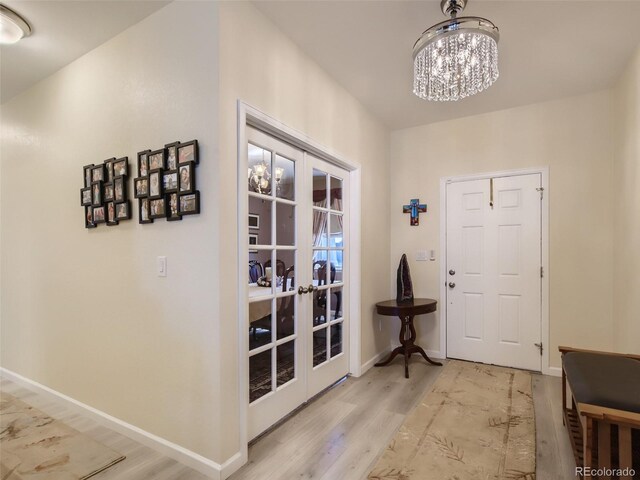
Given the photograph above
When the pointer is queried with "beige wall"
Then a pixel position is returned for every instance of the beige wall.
(262, 67)
(626, 209)
(573, 137)
(83, 311)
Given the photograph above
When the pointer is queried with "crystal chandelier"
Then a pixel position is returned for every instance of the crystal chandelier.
(456, 58)
(259, 177)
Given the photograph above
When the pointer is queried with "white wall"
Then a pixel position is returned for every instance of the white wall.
(83, 311)
(262, 67)
(626, 211)
(574, 137)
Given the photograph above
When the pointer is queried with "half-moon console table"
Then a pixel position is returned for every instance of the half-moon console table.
(405, 311)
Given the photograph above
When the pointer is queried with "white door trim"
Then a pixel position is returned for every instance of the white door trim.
(248, 115)
(544, 172)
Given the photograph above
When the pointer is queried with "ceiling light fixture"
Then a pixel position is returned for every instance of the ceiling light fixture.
(456, 58)
(13, 27)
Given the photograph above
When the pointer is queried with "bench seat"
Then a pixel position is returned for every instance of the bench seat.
(604, 380)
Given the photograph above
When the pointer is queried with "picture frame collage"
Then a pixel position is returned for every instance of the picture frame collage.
(104, 195)
(165, 185)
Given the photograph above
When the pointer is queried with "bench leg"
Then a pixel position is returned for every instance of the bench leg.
(604, 447)
(587, 443)
(624, 449)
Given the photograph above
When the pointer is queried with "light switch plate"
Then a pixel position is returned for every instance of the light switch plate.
(162, 266)
(421, 256)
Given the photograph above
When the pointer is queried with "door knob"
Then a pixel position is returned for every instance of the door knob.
(302, 290)
(452, 272)
(452, 285)
(312, 289)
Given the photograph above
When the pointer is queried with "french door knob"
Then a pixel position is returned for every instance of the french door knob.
(312, 289)
(452, 285)
(302, 290)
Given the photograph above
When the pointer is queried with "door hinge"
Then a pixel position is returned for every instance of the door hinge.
(541, 272)
(541, 190)
(539, 345)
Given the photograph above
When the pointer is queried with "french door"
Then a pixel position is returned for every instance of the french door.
(494, 258)
(297, 291)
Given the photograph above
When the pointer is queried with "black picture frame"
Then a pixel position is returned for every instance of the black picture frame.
(120, 167)
(85, 197)
(108, 167)
(186, 183)
(143, 206)
(123, 210)
(157, 207)
(86, 170)
(120, 189)
(141, 187)
(190, 203)
(188, 152)
(98, 173)
(97, 194)
(110, 214)
(155, 184)
(157, 159)
(173, 209)
(143, 163)
(172, 155)
(107, 191)
(171, 185)
(88, 218)
(99, 214)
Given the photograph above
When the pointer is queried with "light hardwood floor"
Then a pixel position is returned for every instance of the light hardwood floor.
(338, 436)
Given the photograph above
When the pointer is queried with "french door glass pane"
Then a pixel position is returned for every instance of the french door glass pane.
(335, 231)
(319, 307)
(259, 172)
(284, 274)
(286, 362)
(336, 339)
(284, 178)
(285, 224)
(259, 375)
(260, 214)
(319, 228)
(259, 323)
(336, 257)
(336, 193)
(319, 347)
(319, 188)
(335, 303)
(319, 271)
(285, 317)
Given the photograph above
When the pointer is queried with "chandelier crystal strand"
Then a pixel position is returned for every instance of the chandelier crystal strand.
(456, 67)
(456, 58)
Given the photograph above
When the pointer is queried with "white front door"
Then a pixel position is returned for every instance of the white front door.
(494, 259)
(297, 239)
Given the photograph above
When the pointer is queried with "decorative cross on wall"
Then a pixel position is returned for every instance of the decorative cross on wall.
(415, 208)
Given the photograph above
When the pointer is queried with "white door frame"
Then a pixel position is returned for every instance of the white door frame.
(248, 115)
(544, 172)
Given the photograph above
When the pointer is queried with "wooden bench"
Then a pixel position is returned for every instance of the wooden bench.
(604, 418)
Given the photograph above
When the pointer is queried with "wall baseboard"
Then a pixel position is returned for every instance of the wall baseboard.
(554, 371)
(185, 456)
(369, 363)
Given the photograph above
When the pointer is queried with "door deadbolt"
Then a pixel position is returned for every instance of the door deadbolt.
(452, 272)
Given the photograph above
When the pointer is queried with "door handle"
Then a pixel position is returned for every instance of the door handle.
(311, 288)
(452, 285)
(302, 290)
